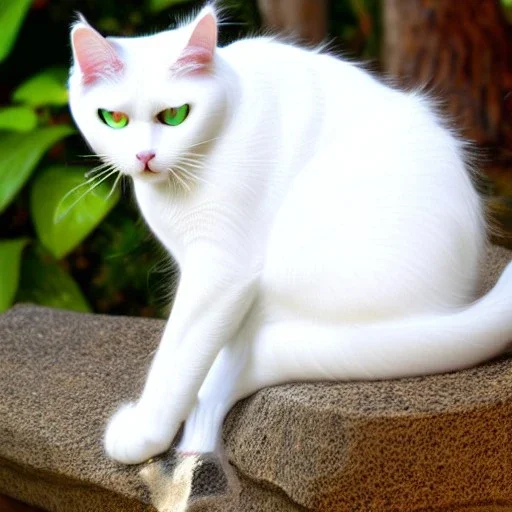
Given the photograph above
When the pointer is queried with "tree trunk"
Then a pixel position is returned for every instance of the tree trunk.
(306, 19)
(461, 51)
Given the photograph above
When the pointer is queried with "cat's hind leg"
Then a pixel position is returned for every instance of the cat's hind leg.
(297, 350)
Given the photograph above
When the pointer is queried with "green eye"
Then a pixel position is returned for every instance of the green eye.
(113, 119)
(174, 116)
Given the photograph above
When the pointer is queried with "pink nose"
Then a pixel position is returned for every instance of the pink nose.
(145, 156)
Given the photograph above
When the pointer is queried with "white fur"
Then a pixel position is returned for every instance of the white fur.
(331, 231)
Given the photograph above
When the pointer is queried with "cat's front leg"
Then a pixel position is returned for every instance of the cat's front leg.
(219, 392)
(133, 435)
(213, 297)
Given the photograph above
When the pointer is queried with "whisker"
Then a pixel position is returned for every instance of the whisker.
(191, 157)
(176, 175)
(190, 164)
(95, 155)
(190, 174)
(204, 142)
(169, 184)
(101, 180)
(98, 171)
(89, 180)
(116, 181)
(187, 167)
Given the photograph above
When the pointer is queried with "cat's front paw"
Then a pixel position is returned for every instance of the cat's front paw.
(133, 437)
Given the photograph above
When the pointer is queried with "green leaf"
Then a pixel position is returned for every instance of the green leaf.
(20, 154)
(63, 209)
(160, 5)
(507, 9)
(12, 13)
(10, 261)
(45, 88)
(19, 119)
(43, 281)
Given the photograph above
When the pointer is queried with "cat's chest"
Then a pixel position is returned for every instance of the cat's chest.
(161, 213)
(177, 222)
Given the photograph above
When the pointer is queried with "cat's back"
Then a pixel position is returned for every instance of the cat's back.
(275, 56)
(329, 88)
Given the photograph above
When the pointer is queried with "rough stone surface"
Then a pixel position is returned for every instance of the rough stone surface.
(433, 443)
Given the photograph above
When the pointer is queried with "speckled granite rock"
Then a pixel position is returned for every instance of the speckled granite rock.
(433, 443)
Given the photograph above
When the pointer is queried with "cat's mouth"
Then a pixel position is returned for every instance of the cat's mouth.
(150, 174)
(148, 170)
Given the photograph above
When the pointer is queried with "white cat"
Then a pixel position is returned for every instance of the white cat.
(325, 224)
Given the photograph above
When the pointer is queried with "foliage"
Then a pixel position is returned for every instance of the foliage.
(45, 282)
(356, 26)
(22, 154)
(29, 129)
(506, 5)
(11, 17)
(18, 119)
(160, 5)
(10, 260)
(45, 88)
(60, 246)
(63, 212)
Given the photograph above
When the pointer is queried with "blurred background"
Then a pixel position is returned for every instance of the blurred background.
(91, 252)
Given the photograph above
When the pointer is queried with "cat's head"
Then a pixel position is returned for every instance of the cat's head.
(148, 104)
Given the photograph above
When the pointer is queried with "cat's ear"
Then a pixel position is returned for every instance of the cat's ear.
(92, 53)
(204, 32)
(202, 42)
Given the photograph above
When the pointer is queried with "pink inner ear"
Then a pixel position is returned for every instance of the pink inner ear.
(205, 33)
(192, 59)
(94, 54)
(198, 53)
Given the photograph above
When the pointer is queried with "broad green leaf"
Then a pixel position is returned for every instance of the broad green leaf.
(19, 119)
(160, 5)
(45, 88)
(43, 281)
(20, 154)
(12, 13)
(66, 208)
(10, 261)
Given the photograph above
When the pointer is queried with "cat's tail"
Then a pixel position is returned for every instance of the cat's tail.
(295, 351)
